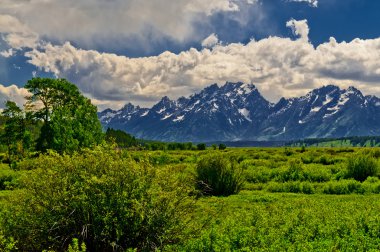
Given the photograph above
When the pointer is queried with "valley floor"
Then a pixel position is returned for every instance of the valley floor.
(292, 199)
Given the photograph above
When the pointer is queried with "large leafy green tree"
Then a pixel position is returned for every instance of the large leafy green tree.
(15, 135)
(69, 119)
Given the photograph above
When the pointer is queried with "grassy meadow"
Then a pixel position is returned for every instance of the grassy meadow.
(267, 199)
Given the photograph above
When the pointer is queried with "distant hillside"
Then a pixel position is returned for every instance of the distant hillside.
(238, 112)
(369, 141)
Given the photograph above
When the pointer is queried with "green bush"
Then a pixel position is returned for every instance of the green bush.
(201, 146)
(219, 176)
(222, 146)
(343, 187)
(258, 174)
(294, 172)
(317, 173)
(105, 201)
(7, 177)
(326, 160)
(362, 166)
(291, 187)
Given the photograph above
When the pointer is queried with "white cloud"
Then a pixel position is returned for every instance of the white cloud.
(278, 66)
(16, 34)
(211, 6)
(94, 22)
(7, 53)
(12, 93)
(313, 3)
(210, 41)
(299, 28)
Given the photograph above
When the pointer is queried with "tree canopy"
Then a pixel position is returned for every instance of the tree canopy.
(15, 134)
(69, 119)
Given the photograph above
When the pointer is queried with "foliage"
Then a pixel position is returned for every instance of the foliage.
(179, 146)
(75, 247)
(16, 135)
(7, 244)
(155, 145)
(222, 146)
(343, 187)
(218, 176)
(121, 138)
(70, 121)
(98, 197)
(354, 141)
(303, 201)
(201, 146)
(362, 166)
(7, 177)
(287, 222)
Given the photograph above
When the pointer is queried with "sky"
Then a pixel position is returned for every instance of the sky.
(120, 51)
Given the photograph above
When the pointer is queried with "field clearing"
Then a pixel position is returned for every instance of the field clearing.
(256, 221)
(292, 199)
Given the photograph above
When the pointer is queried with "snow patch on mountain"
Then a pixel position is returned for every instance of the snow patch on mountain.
(245, 112)
(179, 118)
(145, 113)
(327, 100)
(166, 117)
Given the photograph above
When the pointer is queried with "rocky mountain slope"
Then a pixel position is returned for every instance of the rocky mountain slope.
(237, 111)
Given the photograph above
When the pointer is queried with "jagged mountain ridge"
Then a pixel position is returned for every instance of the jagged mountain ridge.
(237, 111)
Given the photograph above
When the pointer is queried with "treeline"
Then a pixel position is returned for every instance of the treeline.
(125, 140)
(355, 141)
(154, 145)
(122, 139)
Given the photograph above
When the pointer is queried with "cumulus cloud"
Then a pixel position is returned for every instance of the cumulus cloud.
(278, 66)
(98, 21)
(210, 41)
(313, 3)
(7, 53)
(299, 28)
(12, 93)
(211, 6)
(16, 34)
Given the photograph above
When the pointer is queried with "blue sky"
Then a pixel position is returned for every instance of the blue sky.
(120, 51)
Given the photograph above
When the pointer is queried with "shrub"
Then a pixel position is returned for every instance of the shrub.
(201, 146)
(372, 185)
(362, 166)
(326, 160)
(292, 187)
(288, 152)
(293, 173)
(219, 176)
(105, 201)
(343, 187)
(308, 159)
(222, 146)
(258, 174)
(7, 177)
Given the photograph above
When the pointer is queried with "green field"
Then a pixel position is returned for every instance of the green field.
(290, 199)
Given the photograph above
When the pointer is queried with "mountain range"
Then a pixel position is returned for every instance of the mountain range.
(237, 112)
